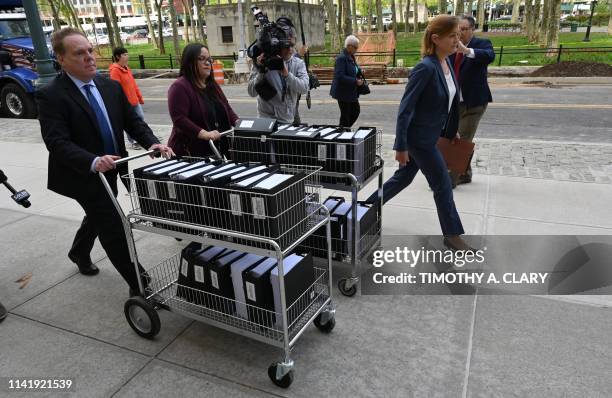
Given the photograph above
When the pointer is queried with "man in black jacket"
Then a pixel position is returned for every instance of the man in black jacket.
(82, 118)
(470, 63)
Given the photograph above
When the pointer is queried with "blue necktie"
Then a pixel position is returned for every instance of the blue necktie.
(105, 129)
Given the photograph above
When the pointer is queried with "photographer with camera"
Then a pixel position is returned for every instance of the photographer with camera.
(278, 77)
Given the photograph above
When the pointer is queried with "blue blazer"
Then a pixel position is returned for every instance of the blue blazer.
(344, 85)
(423, 114)
(473, 73)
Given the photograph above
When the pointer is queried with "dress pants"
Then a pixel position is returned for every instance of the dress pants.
(349, 112)
(101, 220)
(432, 165)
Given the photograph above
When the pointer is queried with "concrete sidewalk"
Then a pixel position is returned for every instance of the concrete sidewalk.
(63, 324)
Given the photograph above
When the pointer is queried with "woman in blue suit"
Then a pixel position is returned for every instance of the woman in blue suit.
(429, 109)
(347, 78)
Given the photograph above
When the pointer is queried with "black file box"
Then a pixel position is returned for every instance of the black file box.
(192, 272)
(259, 292)
(252, 144)
(219, 283)
(298, 277)
(239, 269)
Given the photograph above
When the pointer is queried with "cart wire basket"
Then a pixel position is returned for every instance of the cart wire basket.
(271, 225)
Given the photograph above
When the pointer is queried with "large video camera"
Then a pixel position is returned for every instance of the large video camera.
(272, 37)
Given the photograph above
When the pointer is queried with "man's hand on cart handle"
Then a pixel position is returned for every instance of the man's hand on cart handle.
(106, 163)
(165, 150)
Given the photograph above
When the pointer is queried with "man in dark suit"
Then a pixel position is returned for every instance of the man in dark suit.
(82, 118)
(470, 63)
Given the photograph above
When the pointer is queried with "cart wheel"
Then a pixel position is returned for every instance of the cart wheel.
(350, 292)
(326, 327)
(285, 381)
(142, 317)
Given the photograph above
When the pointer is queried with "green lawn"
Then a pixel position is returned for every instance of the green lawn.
(407, 42)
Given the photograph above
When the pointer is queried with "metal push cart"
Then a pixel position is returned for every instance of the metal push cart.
(355, 175)
(183, 218)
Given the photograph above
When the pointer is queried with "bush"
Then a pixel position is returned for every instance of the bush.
(401, 26)
(600, 19)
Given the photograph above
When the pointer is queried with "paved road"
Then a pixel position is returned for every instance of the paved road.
(558, 113)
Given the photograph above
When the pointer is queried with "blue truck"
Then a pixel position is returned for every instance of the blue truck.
(17, 68)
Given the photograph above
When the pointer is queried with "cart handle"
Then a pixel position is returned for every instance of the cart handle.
(133, 157)
(213, 146)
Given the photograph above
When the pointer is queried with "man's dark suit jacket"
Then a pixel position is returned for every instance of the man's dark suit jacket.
(423, 114)
(473, 73)
(71, 133)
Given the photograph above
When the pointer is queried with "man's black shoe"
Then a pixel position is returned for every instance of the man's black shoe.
(85, 267)
(3, 312)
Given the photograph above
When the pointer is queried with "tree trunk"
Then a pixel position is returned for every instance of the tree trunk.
(379, 16)
(188, 20)
(173, 23)
(370, 2)
(340, 15)
(552, 35)
(147, 10)
(536, 21)
(610, 19)
(470, 6)
(401, 11)
(442, 7)
(528, 19)
(515, 11)
(407, 27)
(55, 14)
(74, 14)
(354, 15)
(543, 31)
(481, 13)
(394, 18)
(250, 31)
(109, 25)
(346, 23)
(160, 27)
(459, 8)
(331, 20)
(201, 16)
(416, 17)
(116, 31)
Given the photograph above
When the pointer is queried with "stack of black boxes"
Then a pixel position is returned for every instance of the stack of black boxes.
(341, 224)
(230, 282)
(251, 198)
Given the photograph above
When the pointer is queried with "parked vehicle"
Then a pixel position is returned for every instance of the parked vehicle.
(17, 68)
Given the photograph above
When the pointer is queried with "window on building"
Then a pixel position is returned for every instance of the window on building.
(227, 36)
(129, 8)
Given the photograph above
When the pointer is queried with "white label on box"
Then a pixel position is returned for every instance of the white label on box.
(312, 294)
(322, 149)
(235, 204)
(327, 130)
(246, 124)
(259, 207)
(199, 273)
(203, 195)
(151, 189)
(250, 288)
(306, 133)
(171, 190)
(184, 267)
(214, 280)
(341, 151)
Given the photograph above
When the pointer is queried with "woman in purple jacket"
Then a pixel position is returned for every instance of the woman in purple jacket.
(198, 108)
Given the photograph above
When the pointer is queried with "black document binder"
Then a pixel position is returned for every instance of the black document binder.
(299, 276)
(239, 270)
(219, 283)
(259, 292)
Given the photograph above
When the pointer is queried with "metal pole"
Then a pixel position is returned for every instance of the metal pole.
(241, 27)
(44, 64)
(559, 54)
(501, 53)
(588, 32)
